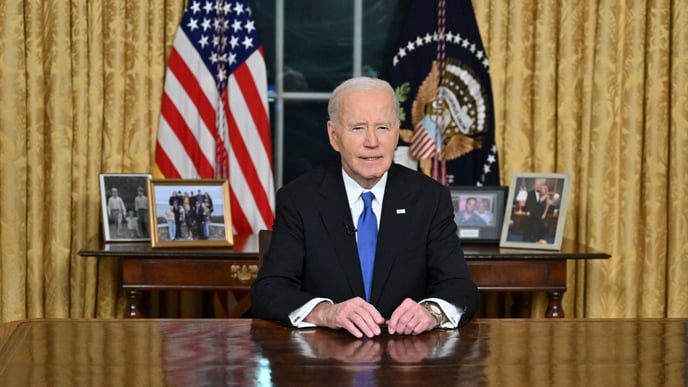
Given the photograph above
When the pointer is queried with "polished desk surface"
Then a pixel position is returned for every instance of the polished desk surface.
(611, 352)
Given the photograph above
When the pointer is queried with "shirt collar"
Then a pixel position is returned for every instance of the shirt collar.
(354, 191)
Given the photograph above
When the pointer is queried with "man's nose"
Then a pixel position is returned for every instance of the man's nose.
(371, 138)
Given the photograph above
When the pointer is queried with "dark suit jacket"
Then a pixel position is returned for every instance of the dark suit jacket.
(534, 225)
(313, 250)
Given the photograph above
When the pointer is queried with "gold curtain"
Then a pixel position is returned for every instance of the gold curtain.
(81, 83)
(597, 89)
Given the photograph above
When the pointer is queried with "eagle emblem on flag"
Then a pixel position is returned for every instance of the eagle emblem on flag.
(441, 79)
(451, 129)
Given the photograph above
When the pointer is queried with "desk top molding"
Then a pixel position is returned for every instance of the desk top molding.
(247, 247)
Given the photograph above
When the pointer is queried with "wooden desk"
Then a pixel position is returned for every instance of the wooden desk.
(145, 269)
(493, 268)
(526, 270)
(217, 352)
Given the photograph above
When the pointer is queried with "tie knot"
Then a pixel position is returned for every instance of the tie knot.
(367, 199)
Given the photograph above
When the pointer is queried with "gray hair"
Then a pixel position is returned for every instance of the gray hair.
(359, 84)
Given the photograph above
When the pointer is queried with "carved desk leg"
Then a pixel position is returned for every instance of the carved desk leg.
(554, 308)
(133, 308)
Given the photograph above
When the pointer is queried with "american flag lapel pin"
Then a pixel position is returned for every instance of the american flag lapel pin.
(401, 211)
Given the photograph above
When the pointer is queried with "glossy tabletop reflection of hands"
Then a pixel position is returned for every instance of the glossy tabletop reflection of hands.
(523, 352)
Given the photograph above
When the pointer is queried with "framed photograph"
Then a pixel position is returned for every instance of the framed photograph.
(536, 211)
(190, 213)
(478, 212)
(125, 207)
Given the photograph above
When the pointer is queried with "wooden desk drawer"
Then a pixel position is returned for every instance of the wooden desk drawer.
(519, 275)
(188, 274)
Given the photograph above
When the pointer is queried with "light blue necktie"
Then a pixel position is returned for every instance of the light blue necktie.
(367, 241)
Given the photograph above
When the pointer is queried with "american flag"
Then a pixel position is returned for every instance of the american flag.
(423, 143)
(214, 115)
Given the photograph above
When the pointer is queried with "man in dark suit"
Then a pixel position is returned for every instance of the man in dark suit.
(311, 275)
(537, 205)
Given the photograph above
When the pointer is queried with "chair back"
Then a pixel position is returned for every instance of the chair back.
(264, 238)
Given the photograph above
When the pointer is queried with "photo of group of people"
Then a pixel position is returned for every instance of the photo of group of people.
(136, 208)
(190, 212)
(189, 216)
(125, 207)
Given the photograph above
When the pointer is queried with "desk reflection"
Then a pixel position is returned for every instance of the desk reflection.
(209, 354)
(327, 357)
(243, 352)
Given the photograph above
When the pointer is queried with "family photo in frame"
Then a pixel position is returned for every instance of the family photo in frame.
(124, 205)
(478, 212)
(190, 212)
(536, 211)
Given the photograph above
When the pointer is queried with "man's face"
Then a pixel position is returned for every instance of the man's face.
(470, 206)
(366, 134)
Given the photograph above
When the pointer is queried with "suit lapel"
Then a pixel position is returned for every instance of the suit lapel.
(333, 207)
(394, 220)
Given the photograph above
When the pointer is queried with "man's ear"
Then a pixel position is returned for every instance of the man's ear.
(332, 135)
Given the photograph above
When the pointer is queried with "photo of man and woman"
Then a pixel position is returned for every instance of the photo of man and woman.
(536, 211)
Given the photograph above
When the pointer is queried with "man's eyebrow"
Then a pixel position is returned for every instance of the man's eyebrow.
(355, 124)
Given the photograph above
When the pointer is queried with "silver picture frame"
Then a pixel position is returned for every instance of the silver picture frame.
(536, 211)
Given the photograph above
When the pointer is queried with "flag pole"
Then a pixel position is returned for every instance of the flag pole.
(439, 168)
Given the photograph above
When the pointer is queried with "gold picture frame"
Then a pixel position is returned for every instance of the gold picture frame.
(190, 213)
(536, 211)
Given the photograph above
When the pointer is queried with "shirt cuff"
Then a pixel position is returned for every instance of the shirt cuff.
(452, 312)
(296, 317)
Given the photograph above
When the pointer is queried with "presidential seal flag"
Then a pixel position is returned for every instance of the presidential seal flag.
(214, 114)
(441, 76)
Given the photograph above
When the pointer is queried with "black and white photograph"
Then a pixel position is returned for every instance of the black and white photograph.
(536, 211)
(125, 207)
(190, 212)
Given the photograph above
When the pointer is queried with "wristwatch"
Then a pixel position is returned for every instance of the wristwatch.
(434, 310)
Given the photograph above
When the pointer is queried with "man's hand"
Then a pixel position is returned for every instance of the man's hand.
(410, 318)
(355, 315)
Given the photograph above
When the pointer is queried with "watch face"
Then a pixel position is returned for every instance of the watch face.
(434, 310)
(432, 307)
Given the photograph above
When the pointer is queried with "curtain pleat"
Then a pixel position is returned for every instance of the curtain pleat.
(596, 89)
(14, 268)
(677, 189)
